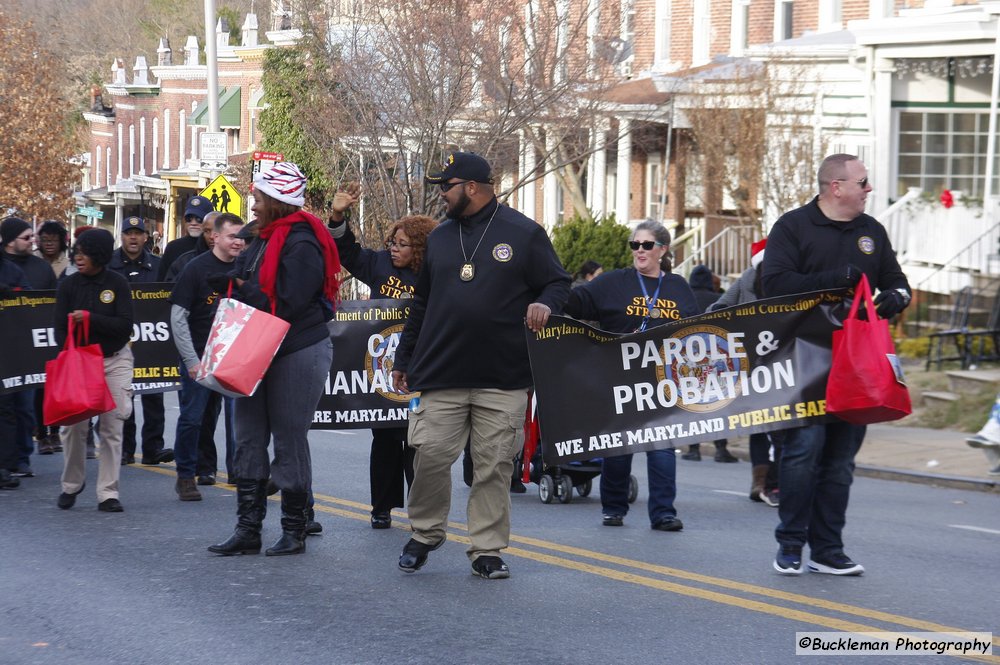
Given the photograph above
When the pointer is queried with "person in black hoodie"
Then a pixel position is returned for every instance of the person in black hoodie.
(702, 283)
(139, 266)
(293, 274)
(11, 279)
(106, 296)
(194, 214)
(634, 299)
(18, 237)
(389, 273)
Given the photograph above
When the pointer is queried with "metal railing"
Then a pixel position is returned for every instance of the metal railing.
(727, 253)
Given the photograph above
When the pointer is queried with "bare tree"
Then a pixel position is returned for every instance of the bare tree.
(755, 138)
(405, 82)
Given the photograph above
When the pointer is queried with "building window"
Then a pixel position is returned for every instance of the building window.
(662, 43)
(701, 32)
(739, 31)
(627, 35)
(831, 14)
(655, 194)
(944, 150)
(784, 20)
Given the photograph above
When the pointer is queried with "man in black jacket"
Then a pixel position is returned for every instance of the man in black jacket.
(488, 271)
(194, 214)
(827, 244)
(139, 266)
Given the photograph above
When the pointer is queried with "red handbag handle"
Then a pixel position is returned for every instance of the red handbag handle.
(863, 290)
(83, 331)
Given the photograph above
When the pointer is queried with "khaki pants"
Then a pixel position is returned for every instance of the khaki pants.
(439, 428)
(118, 373)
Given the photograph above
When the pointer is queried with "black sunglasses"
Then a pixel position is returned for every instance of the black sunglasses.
(863, 182)
(445, 186)
(645, 244)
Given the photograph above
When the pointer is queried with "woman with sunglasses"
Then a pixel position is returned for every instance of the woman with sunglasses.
(389, 273)
(632, 300)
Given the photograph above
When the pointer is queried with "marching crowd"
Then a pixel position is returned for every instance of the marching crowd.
(476, 279)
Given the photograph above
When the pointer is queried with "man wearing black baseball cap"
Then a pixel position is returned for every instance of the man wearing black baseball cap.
(488, 271)
(140, 266)
(195, 211)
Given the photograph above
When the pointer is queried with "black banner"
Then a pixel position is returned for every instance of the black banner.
(756, 367)
(28, 339)
(358, 394)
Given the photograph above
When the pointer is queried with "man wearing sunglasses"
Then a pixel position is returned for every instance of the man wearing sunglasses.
(827, 244)
(488, 271)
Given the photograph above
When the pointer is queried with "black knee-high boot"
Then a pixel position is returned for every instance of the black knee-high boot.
(294, 515)
(251, 507)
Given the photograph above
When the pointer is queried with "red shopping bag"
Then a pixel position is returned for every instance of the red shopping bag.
(240, 348)
(866, 381)
(75, 386)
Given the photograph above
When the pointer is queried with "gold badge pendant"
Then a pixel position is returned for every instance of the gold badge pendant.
(467, 272)
(654, 313)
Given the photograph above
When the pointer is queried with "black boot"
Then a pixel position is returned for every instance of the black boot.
(251, 507)
(722, 453)
(294, 516)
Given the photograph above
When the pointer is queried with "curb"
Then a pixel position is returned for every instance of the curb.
(957, 482)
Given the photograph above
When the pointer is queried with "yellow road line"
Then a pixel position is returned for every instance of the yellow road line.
(671, 587)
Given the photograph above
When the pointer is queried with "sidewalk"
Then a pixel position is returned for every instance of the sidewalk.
(915, 454)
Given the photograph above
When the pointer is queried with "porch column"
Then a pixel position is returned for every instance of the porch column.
(624, 184)
(550, 184)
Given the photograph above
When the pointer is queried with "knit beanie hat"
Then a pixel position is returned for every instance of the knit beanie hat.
(98, 244)
(283, 182)
(11, 228)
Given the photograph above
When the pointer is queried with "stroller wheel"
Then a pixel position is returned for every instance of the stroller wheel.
(583, 489)
(633, 489)
(565, 489)
(546, 489)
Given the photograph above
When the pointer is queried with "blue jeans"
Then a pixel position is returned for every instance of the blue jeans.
(816, 471)
(661, 467)
(193, 401)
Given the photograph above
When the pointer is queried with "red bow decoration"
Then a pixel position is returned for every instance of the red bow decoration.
(947, 200)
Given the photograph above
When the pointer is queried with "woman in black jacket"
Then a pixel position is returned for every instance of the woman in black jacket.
(292, 272)
(389, 273)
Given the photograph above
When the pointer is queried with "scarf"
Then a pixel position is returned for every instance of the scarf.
(276, 233)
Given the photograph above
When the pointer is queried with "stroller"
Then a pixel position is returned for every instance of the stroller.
(559, 481)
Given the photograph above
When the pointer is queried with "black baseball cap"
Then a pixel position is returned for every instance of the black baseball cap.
(464, 165)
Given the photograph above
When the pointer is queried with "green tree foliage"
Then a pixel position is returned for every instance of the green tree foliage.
(36, 145)
(580, 239)
(288, 82)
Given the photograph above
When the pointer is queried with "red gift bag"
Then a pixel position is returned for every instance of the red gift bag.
(240, 348)
(75, 386)
(866, 381)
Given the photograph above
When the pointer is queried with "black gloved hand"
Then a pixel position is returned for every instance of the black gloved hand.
(219, 282)
(890, 303)
(852, 274)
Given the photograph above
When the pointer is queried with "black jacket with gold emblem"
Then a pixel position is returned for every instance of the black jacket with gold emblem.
(471, 334)
(108, 299)
(807, 251)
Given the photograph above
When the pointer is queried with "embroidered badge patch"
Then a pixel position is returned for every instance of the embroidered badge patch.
(107, 296)
(503, 252)
(866, 244)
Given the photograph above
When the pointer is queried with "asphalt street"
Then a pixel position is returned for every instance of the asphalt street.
(86, 587)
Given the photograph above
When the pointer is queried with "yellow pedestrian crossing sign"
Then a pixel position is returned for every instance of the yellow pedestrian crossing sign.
(224, 197)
